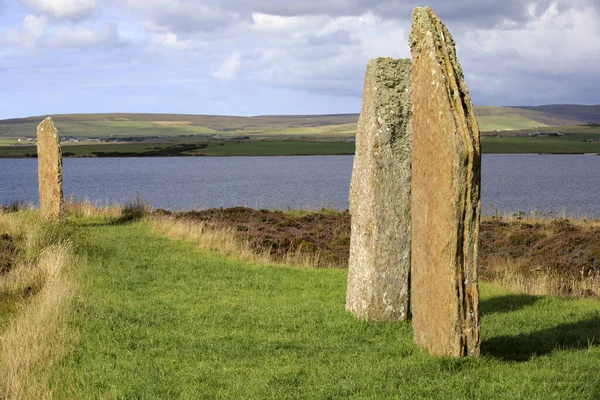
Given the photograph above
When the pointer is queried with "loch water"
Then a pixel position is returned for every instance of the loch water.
(510, 182)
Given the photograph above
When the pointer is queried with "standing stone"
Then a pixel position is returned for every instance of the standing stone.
(445, 194)
(49, 170)
(379, 266)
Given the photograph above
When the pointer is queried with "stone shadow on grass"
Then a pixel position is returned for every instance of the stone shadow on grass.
(574, 336)
(506, 303)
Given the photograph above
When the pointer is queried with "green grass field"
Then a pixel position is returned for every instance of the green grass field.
(158, 318)
(511, 145)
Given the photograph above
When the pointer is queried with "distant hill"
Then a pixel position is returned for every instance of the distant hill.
(216, 122)
(334, 125)
(504, 118)
(574, 112)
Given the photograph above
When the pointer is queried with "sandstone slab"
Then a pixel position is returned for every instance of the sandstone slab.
(379, 263)
(446, 207)
(49, 170)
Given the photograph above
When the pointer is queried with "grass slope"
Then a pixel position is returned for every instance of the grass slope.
(138, 125)
(507, 118)
(339, 125)
(574, 112)
(162, 319)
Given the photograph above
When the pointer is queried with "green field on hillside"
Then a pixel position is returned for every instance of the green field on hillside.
(106, 126)
(508, 122)
(119, 125)
(173, 134)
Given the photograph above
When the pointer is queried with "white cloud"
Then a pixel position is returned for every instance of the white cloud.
(552, 58)
(169, 41)
(267, 22)
(228, 71)
(78, 37)
(61, 9)
(34, 26)
(552, 43)
(26, 36)
(183, 16)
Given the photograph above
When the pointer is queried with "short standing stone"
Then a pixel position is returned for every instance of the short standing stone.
(49, 170)
(445, 194)
(379, 266)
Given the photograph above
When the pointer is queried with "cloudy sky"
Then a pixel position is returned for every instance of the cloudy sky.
(254, 57)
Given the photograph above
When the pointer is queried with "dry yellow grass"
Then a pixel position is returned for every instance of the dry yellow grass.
(225, 241)
(222, 240)
(511, 277)
(521, 273)
(87, 208)
(36, 334)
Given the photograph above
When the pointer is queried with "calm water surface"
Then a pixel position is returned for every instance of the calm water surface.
(509, 182)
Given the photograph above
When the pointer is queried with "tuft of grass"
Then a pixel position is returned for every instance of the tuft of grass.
(136, 209)
(15, 206)
(34, 306)
(526, 254)
(516, 277)
(86, 208)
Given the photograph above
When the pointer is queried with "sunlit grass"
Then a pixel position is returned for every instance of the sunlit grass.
(35, 295)
(162, 318)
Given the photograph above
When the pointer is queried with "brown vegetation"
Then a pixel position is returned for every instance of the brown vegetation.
(322, 237)
(7, 250)
(559, 257)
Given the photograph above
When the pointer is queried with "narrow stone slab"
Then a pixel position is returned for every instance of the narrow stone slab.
(379, 265)
(49, 170)
(446, 206)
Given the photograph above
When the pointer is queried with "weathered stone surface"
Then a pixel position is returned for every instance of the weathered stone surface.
(445, 194)
(379, 265)
(49, 170)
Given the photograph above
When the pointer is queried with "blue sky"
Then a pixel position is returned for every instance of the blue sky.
(256, 57)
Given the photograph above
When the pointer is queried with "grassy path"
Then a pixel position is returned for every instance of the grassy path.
(162, 319)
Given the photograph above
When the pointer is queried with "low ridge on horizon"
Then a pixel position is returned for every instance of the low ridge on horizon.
(490, 118)
(593, 109)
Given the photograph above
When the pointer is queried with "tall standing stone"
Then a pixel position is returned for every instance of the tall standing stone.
(445, 194)
(379, 266)
(49, 170)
